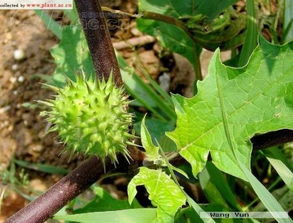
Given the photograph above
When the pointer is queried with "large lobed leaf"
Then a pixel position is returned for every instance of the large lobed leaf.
(232, 106)
(163, 192)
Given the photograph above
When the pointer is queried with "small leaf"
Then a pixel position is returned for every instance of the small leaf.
(151, 151)
(163, 192)
(273, 156)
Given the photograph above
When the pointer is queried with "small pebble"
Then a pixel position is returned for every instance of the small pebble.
(37, 147)
(14, 67)
(20, 79)
(4, 109)
(18, 54)
(12, 80)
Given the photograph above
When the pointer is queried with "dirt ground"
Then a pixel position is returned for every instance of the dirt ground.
(22, 130)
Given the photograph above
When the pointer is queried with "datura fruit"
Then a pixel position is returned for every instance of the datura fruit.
(91, 117)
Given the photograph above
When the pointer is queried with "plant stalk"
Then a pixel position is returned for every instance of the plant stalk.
(98, 38)
(251, 34)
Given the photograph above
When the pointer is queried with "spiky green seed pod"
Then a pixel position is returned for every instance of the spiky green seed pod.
(91, 117)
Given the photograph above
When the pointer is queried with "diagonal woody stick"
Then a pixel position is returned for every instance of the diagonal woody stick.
(98, 38)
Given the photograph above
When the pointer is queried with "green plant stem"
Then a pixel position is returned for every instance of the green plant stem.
(276, 20)
(288, 20)
(251, 34)
(198, 73)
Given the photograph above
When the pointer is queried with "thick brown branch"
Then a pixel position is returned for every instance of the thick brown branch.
(98, 38)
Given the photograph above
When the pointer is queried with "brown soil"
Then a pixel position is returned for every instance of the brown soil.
(22, 130)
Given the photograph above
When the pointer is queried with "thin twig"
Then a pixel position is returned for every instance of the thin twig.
(133, 42)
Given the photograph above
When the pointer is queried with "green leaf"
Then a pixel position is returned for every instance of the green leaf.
(151, 151)
(213, 8)
(171, 37)
(285, 198)
(288, 20)
(163, 193)
(42, 167)
(178, 9)
(71, 56)
(251, 34)
(233, 104)
(50, 23)
(216, 187)
(196, 207)
(159, 128)
(145, 215)
(103, 201)
(264, 195)
(275, 160)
